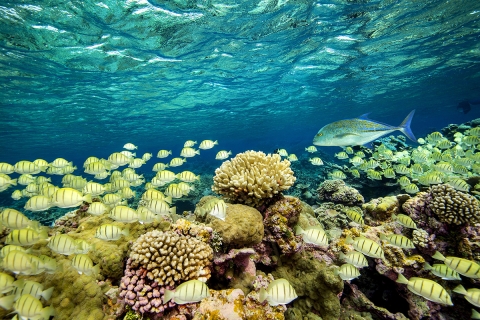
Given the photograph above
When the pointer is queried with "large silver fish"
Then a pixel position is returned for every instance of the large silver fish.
(359, 131)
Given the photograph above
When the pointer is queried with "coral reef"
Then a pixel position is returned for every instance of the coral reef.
(454, 207)
(279, 220)
(252, 178)
(381, 209)
(315, 283)
(337, 191)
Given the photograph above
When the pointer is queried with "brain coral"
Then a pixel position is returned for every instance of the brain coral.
(170, 258)
(453, 206)
(253, 177)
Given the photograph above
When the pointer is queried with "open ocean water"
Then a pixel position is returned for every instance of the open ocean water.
(82, 78)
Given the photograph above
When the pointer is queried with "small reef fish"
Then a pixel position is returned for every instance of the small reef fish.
(355, 258)
(207, 144)
(14, 219)
(118, 159)
(136, 163)
(223, 154)
(31, 287)
(219, 210)
(6, 282)
(176, 162)
(164, 153)
(110, 232)
(6, 168)
(64, 244)
(278, 292)
(341, 155)
(69, 198)
(411, 188)
(311, 149)
(6, 249)
(443, 271)
(359, 131)
(337, 174)
(16, 195)
(465, 267)
(123, 214)
(316, 161)
(27, 307)
(189, 143)
(347, 272)
(174, 191)
(398, 240)
(158, 206)
(314, 235)
(459, 184)
(151, 194)
(94, 188)
(19, 262)
(147, 156)
(165, 176)
(159, 166)
(187, 176)
(130, 146)
(404, 220)
(292, 157)
(28, 167)
(471, 295)
(60, 163)
(187, 292)
(188, 152)
(355, 216)
(84, 265)
(366, 246)
(38, 203)
(282, 152)
(426, 288)
(25, 237)
(146, 216)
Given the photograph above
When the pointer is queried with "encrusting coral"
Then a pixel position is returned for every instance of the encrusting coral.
(337, 191)
(252, 178)
(454, 207)
(159, 261)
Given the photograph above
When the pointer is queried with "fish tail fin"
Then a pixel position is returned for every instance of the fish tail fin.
(263, 295)
(402, 279)
(460, 289)
(427, 266)
(438, 256)
(404, 127)
(168, 295)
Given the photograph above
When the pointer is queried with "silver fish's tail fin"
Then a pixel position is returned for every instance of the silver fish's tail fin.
(404, 127)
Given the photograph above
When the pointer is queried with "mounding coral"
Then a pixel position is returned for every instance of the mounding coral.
(338, 192)
(253, 178)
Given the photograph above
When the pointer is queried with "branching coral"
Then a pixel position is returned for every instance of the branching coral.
(253, 177)
(454, 207)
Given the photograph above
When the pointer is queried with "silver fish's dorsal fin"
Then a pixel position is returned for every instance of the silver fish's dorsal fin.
(364, 116)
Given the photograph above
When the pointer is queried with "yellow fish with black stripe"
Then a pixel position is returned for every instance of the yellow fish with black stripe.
(27, 307)
(366, 246)
(84, 265)
(404, 220)
(314, 235)
(110, 232)
(279, 291)
(25, 237)
(426, 288)
(471, 295)
(347, 272)
(355, 216)
(14, 219)
(398, 240)
(467, 268)
(187, 292)
(443, 271)
(355, 258)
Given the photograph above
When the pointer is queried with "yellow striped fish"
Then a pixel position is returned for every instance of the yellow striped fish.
(111, 199)
(123, 214)
(426, 288)
(111, 232)
(187, 292)
(147, 156)
(207, 144)
(19, 262)
(33, 288)
(411, 188)
(188, 152)
(356, 161)
(95, 168)
(366, 246)
(459, 184)
(69, 198)
(347, 272)
(223, 154)
(90, 160)
(84, 265)
(127, 193)
(292, 157)
(337, 174)
(14, 219)
(278, 292)
(355, 216)
(28, 307)
(443, 271)
(94, 188)
(64, 244)
(25, 237)
(136, 163)
(403, 181)
(16, 195)
(219, 210)
(163, 153)
(6, 282)
(146, 216)
(28, 167)
(6, 168)
(176, 162)
(174, 191)
(159, 166)
(165, 176)
(389, 173)
(465, 267)
(471, 295)
(316, 161)
(398, 240)
(314, 235)
(151, 194)
(6, 249)
(25, 179)
(187, 176)
(38, 203)
(189, 143)
(355, 173)
(282, 152)
(355, 258)
(158, 206)
(311, 149)
(404, 220)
